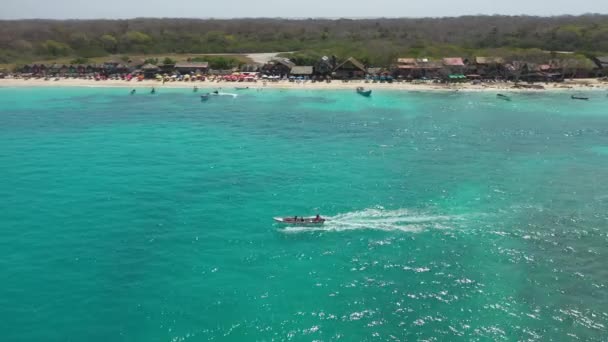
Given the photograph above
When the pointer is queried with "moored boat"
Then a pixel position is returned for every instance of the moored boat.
(503, 97)
(579, 98)
(296, 220)
(362, 91)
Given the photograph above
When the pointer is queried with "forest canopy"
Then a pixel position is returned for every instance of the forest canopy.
(374, 41)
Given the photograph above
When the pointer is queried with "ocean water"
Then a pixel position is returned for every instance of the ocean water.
(452, 216)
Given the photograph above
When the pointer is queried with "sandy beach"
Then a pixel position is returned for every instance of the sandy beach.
(569, 85)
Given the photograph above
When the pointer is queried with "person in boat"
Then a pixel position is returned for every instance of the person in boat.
(318, 218)
(295, 219)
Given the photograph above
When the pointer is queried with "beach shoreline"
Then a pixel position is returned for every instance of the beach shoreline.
(569, 85)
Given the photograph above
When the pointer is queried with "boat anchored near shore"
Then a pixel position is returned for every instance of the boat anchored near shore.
(362, 91)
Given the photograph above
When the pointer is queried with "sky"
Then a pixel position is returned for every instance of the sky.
(113, 9)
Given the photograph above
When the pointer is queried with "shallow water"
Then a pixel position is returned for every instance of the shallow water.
(452, 216)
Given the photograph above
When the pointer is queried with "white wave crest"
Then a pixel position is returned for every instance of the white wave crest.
(403, 220)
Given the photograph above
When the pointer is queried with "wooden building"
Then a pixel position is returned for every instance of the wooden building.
(407, 68)
(150, 70)
(58, 69)
(453, 66)
(34, 69)
(191, 67)
(350, 68)
(325, 66)
(278, 67)
(488, 67)
(601, 62)
(303, 71)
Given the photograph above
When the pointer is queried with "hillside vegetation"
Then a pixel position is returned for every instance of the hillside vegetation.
(373, 41)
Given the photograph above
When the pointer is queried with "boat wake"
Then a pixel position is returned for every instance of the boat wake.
(403, 220)
(226, 94)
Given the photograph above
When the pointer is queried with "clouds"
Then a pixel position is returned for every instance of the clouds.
(78, 9)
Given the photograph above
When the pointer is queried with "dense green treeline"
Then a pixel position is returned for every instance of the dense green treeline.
(374, 41)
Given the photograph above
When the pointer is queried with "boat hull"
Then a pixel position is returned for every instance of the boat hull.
(300, 221)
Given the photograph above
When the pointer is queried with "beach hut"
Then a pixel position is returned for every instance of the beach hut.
(191, 67)
(429, 69)
(406, 68)
(58, 69)
(601, 62)
(417, 68)
(350, 68)
(453, 66)
(135, 64)
(278, 67)
(150, 70)
(324, 66)
(488, 67)
(302, 71)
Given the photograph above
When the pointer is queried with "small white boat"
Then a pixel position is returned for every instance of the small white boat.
(362, 91)
(217, 93)
(296, 220)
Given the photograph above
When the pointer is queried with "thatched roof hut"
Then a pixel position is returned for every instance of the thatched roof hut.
(136, 63)
(150, 67)
(601, 62)
(301, 70)
(453, 62)
(375, 71)
(352, 64)
(284, 61)
(191, 66)
(406, 61)
(489, 60)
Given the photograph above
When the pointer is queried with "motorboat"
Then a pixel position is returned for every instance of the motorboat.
(503, 97)
(362, 91)
(579, 98)
(296, 220)
(217, 93)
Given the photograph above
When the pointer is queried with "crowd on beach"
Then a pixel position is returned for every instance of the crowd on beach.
(407, 73)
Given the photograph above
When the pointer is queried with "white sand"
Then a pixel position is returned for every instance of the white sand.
(574, 85)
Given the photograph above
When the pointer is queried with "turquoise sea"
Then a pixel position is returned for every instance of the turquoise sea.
(453, 216)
